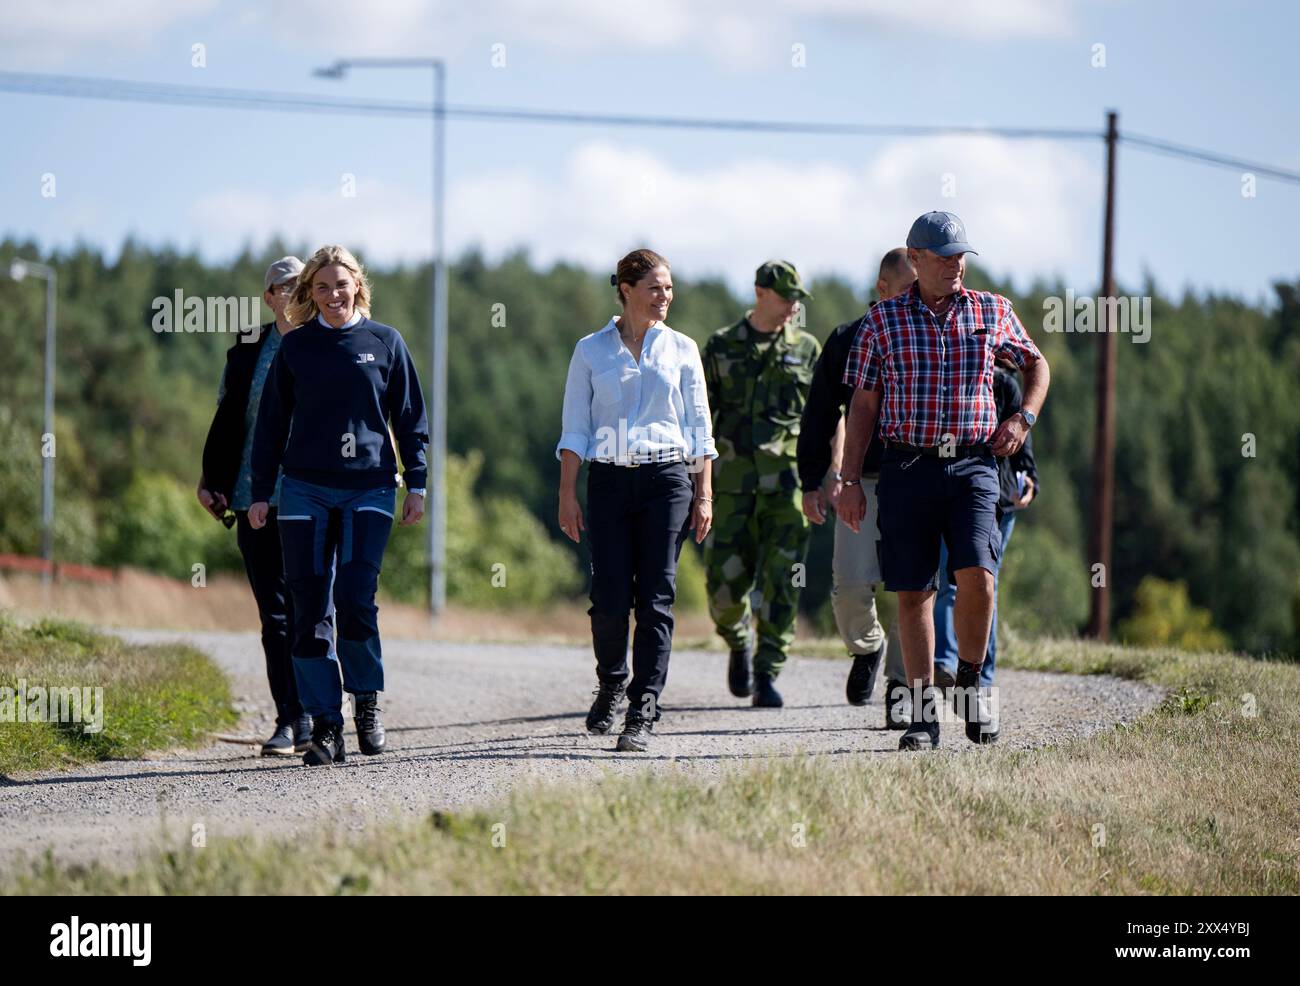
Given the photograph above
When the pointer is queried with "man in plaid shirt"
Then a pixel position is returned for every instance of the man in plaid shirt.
(923, 360)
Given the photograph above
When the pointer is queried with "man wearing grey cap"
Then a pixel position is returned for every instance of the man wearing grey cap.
(225, 491)
(923, 363)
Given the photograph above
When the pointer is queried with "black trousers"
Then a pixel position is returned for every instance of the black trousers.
(264, 563)
(637, 521)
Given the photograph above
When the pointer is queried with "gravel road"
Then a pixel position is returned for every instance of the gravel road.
(466, 722)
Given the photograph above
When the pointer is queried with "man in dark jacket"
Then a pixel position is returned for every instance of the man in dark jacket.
(225, 491)
(855, 565)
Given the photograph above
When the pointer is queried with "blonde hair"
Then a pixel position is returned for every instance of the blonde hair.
(302, 306)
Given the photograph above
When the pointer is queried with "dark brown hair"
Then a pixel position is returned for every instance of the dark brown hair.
(633, 267)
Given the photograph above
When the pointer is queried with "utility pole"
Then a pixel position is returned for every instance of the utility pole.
(19, 270)
(1101, 507)
(436, 501)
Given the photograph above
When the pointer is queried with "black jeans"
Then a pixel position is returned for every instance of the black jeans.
(637, 521)
(264, 563)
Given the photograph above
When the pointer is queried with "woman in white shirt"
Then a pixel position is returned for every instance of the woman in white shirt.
(636, 410)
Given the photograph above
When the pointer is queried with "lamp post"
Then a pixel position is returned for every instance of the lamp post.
(437, 501)
(19, 270)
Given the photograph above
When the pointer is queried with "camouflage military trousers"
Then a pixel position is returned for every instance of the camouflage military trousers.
(756, 543)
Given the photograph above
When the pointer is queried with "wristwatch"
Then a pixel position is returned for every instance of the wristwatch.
(1029, 416)
(415, 491)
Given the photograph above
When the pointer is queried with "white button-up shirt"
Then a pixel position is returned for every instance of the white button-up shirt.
(616, 409)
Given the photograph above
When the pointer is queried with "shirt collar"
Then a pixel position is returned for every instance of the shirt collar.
(914, 297)
(611, 327)
(356, 317)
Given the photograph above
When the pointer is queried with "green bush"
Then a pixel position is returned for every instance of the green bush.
(159, 526)
(1165, 617)
(499, 554)
(1043, 587)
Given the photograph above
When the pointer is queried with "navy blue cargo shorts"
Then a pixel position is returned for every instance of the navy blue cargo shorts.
(922, 498)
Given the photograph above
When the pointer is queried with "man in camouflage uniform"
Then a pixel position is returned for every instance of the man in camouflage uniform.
(758, 372)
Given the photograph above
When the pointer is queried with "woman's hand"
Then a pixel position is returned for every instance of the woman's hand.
(412, 509)
(257, 515)
(571, 515)
(701, 518)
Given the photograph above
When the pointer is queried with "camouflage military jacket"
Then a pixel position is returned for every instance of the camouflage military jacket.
(757, 384)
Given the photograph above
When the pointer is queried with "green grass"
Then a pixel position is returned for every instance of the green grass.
(154, 697)
(1198, 797)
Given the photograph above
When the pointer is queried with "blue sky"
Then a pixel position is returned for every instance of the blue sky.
(1216, 75)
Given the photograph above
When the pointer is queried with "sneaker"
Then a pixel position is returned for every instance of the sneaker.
(738, 672)
(636, 733)
(765, 694)
(600, 719)
(923, 733)
(972, 703)
(943, 676)
(371, 737)
(302, 734)
(281, 742)
(862, 677)
(898, 705)
(326, 745)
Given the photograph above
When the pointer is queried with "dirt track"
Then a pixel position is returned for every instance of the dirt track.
(466, 722)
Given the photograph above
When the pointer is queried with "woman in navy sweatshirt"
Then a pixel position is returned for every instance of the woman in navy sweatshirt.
(334, 386)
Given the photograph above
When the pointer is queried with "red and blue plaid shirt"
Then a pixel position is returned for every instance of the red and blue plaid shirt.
(936, 375)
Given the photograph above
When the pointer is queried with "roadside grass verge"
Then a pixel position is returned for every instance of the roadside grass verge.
(153, 698)
(1198, 797)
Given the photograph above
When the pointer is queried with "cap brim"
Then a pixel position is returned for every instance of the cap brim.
(952, 249)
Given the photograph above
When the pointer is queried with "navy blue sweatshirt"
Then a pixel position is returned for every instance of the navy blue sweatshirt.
(331, 392)
(828, 399)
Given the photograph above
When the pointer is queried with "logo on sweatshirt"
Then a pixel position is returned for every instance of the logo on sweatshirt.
(365, 358)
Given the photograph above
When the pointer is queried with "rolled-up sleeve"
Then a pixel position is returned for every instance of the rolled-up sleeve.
(695, 398)
(1012, 339)
(862, 371)
(576, 422)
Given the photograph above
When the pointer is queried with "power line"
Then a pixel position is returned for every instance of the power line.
(1159, 146)
(119, 90)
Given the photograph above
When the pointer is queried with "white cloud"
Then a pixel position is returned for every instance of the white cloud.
(50, 35)
(1031, 209)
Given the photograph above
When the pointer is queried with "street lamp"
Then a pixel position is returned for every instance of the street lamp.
(437, 501)
(19, 270)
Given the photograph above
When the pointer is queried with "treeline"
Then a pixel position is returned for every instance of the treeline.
(1207, 465)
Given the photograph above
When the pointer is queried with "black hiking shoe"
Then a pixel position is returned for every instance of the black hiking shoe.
(862, 676)
(635, 737)
(923, 733)
(973, 704)
(738, 672)
(600, 720)
(326, 746)
(765, 694)
(371, 737)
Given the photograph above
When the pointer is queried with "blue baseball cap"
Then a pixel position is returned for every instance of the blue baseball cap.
(940, 232)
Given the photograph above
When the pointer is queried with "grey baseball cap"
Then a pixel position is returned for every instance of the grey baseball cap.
(941, 233)
(284, 269)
